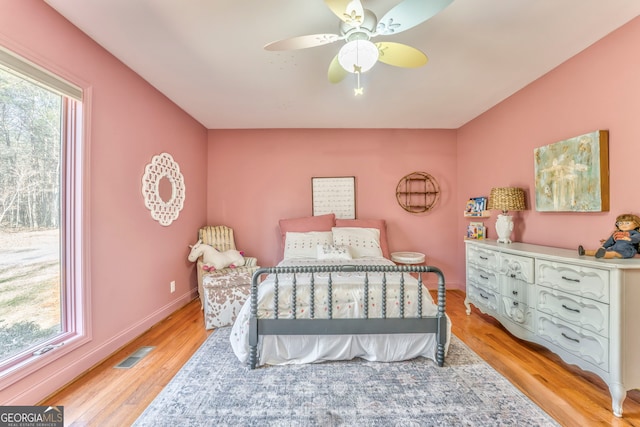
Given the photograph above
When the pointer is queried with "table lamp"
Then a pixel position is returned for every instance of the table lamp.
(505, 199)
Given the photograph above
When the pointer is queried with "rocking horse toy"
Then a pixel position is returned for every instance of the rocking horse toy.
(213, 259)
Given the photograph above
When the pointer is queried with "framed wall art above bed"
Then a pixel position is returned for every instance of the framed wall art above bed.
(336, 195)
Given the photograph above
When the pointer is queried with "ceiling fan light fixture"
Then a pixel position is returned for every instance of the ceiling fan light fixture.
(358, 56)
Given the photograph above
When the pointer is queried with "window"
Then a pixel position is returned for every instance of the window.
(41, 269)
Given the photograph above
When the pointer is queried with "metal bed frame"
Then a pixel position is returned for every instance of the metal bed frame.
(348, 326)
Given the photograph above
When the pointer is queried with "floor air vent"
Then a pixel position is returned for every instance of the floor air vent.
(134, 358)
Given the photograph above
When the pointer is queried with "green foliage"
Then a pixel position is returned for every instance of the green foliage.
(30, 162)
(30, 198)
(22, 335)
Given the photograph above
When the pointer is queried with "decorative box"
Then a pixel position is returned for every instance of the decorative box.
(224, 296)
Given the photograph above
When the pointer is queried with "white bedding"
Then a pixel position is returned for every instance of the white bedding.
(347, 302)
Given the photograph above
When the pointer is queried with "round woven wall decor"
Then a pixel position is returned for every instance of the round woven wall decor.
(418, 192)
(163, 166)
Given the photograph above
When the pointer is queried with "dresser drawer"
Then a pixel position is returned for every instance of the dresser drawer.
(485, 300)
(586, 282)
(483, 278)
(581, 308)
(517, 267)
(517, 312)
(481, 257)
(518, 290)
(581, 343)
(581, 312)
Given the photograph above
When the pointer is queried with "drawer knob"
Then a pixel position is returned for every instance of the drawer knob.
(569, 279)
(483, 296)
(484, 277)
(575, 310)
(514, 292)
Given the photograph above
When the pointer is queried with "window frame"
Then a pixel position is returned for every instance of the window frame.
(74, 259)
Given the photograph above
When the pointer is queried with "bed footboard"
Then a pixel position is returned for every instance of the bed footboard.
(384, 324)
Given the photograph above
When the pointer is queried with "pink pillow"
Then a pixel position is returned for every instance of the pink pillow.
(380, 224)
(302, 225)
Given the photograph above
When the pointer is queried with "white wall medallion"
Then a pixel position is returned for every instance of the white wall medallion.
(163, 188)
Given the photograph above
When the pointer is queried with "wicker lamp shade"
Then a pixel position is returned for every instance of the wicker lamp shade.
(506, 199)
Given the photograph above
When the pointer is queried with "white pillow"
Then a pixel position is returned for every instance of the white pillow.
(303, 245)
(327, 251)
(363, 242)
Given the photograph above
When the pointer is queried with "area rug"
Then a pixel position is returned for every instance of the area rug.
(215, 389)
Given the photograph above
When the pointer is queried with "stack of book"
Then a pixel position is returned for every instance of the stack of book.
(476, 230)
(476, 206)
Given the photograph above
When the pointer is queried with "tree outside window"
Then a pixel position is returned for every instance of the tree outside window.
(38, 293)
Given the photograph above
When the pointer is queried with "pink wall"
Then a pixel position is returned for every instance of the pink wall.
(257, 177)
(597, 89)
(267, 172)
(251, 178)
(132, 258)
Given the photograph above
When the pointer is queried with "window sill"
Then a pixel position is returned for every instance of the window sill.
(31, 365)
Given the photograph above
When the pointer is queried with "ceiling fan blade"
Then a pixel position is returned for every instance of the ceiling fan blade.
(349, 11)
(302, 42)
(401, 55)
(336, 72)
(408, 14)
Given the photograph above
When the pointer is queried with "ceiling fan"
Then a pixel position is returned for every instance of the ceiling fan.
(358, 26)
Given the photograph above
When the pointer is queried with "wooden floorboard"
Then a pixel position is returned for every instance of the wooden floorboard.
(106, 396)
(570, 395)
(109, 396)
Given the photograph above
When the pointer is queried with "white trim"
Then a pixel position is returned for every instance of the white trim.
(95, 356)
(14, 63)
(74, 217)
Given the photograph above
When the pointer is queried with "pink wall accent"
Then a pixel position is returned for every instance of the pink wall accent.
(251, 178)
(132, 257)
(597, 89)
(257, 177)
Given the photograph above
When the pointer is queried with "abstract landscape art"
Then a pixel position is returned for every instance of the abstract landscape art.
(573, 175)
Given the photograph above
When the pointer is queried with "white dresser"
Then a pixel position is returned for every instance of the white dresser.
(584, 309)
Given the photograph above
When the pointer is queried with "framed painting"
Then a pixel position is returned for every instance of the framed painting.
(335, 195)
(573, 175)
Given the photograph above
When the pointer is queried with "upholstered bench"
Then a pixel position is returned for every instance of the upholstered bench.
(224, 296)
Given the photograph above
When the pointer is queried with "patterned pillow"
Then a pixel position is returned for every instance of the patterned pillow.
(304, 224)
(380, 224)
(328, 251)
(363, 242)
(303, 245)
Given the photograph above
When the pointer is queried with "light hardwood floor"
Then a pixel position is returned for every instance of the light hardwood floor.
(106, 396)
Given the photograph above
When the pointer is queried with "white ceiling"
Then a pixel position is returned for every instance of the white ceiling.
(208, 57)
